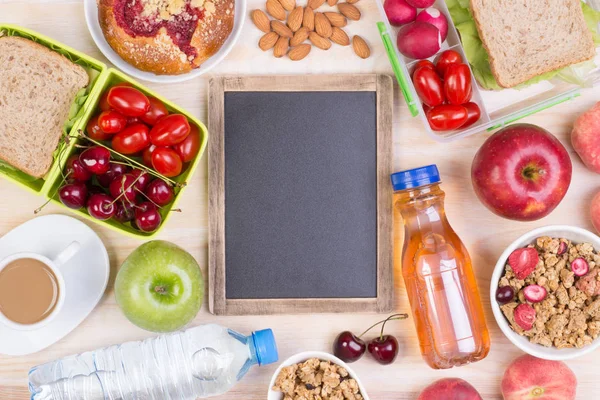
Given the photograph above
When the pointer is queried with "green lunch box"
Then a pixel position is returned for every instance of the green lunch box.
(83, 108)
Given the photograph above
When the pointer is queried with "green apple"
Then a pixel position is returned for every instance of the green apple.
(160, 287)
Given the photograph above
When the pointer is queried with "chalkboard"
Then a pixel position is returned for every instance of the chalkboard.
(299, 196)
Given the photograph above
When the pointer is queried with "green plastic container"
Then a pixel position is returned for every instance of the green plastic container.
(84, 107)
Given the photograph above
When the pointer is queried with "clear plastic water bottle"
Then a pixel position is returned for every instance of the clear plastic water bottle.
(204, 361)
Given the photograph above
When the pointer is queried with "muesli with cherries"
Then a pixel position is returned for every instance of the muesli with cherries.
(550, 291)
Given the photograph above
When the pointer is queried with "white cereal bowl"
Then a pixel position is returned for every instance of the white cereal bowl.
(91, 17)
(574, 234)
(301, 357)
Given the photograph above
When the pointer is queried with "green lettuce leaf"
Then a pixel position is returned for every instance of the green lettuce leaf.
(478, 57)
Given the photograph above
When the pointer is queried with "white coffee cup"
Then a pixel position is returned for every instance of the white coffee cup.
(54, 266)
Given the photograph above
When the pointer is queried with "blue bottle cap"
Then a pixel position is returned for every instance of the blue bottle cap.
(266, 348)
(412, 178)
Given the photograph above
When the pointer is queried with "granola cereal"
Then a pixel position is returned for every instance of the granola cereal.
(316, 379)
(566, 312)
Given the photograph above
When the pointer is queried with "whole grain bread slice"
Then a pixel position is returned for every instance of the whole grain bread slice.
(526, 38)
(37, 88)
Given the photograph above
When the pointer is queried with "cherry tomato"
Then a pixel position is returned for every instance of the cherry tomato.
(423, 63)
(447, 117)
(445, 59)
(428, 86)
(473, 114)
(128, 101)
(157, 111)
(132, 139)
(147, 155)
(457, 84)
(166, 161)
(93, 130)
(170, 130)
(111, 121)
(133, 120)
(103, 104)
(188, 149)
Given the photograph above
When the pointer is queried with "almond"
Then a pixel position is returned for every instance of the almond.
(281, 47)
(322, 25)
(294, 20)
(309, 19)
(281, 29)
(289, 5)
(268, 41)
(336, 19)
(261, 20)
(299, 52)
(299, 37)
(351, 1)
(361, 48)
(339, 36)
(314, 4)
(349, 11)
(275, 9)
(319, 41)
(332, 2)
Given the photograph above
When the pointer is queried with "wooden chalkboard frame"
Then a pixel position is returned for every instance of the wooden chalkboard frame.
(219, 304)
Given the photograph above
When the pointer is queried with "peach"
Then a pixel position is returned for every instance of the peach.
(450, 389)
(595, 211)
(585, 137)
(531, 378)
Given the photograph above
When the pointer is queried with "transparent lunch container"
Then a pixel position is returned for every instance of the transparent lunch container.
(498, 107)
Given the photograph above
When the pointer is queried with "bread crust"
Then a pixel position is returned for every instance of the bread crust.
(559, 62)
(159, 54)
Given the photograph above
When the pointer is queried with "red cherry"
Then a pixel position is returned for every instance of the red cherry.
(147, 217)
(159, 192)
(348, 347)
(101, 206)
(114, 170)
(125, 212)
(123, 188)
(73, 195)
(95, 159)
(75, 169)
(142, 177)
(384, 349)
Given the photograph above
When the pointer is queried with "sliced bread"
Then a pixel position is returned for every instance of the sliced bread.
(37, 88)
(526, 38)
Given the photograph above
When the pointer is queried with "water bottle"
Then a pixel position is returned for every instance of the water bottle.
(204, 361)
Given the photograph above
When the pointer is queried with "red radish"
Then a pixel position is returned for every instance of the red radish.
(534, 293)
(523, 261)
(399, 12)
(419, 40)
(436, 18)
(450, 389)
(562, 247)
(579, 266)
(421, 3)
(525, 316)
(529, 377)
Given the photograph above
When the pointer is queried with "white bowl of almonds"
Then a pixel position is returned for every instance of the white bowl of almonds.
(545, 292)
(315, 373)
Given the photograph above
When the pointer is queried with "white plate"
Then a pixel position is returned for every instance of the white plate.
(301, 357)
(86, 276)
(91, 17)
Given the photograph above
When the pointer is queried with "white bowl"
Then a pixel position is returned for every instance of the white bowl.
(574, 234)
(301, 357)
(91, 17)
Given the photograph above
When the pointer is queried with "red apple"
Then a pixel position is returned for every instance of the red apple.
(450, 389)
(529, 377)
(521, 172)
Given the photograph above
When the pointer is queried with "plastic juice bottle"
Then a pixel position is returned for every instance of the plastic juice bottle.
(438, 275)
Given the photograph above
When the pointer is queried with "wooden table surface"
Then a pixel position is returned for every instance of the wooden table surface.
(484, 234)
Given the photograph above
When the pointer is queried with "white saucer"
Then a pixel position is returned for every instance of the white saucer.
(86, 276)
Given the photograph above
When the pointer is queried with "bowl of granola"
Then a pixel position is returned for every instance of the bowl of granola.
(315, 375)
(545, 292)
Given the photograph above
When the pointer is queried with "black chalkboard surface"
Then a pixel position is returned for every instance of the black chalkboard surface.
(298, 188)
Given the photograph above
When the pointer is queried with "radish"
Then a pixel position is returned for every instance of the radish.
(534, 293)
(399, 12)
(579, 266)
(421, 3)
(419, 40)
(436, 18)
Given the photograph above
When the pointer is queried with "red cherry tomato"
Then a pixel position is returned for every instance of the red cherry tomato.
(473, 114)
(445, 59)
(132, 139)
(128, 101)
(166, 161)
(424, 63)
(103, 104)
(428, 86)
(111, 121)
(93, 130)
(170, 130)
(457, 84)
(157, 111)
(447, 117)
(188, 149)
(133, 120)
(147, 155)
